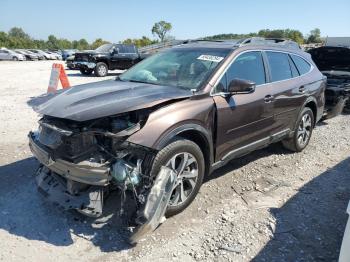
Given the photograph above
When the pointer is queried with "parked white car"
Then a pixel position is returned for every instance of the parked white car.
(6, 54)
(345, 247)
(42, 53)
(54, 55)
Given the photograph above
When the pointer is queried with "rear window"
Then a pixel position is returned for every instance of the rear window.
(124, 49)
(279, 66)
(303, 66)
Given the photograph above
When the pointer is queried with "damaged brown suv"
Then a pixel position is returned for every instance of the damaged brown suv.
(159, 128)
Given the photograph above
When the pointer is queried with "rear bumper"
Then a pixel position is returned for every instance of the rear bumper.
(84, 172)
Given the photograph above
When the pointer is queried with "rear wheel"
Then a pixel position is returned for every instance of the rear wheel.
(101, 69)
(186, 159)
(86, 71)
(302, 132)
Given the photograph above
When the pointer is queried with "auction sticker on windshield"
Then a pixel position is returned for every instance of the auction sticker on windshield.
(211, 58)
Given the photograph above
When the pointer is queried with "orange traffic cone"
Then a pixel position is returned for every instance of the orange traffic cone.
(57, 74)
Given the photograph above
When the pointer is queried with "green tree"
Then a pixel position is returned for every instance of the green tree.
(64, 43)
(82, 44)
(98, 42)
(139, 42)
(52, 42)
(3, 39)
(314, 36)
(161, 28)
(18, 33)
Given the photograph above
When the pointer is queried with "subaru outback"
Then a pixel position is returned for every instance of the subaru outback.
(158, 129)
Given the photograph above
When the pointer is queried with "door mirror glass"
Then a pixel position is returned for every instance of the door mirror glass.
(241, 86)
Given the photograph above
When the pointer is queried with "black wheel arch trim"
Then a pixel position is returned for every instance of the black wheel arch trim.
(164, 140)
(308, 100)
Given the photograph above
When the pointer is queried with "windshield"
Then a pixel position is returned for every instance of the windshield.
(104, 48)
(184, 68)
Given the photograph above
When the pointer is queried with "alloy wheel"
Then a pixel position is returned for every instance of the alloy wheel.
(186, 168)
(102, 70)
(304, 130)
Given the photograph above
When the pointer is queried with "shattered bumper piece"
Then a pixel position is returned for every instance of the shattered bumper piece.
(54, 188)
(84, 171)
(157, 201)
(337, 109)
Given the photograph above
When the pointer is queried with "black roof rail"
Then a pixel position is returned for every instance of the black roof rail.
(268, 41)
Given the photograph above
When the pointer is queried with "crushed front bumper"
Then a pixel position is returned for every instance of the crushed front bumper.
(84, 65)
(84, 172)
(54, 188)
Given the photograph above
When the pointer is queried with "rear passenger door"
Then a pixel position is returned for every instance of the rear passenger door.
(287, 90)
(126, 56)
(244, 121)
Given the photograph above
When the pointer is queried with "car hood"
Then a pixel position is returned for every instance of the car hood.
(329, 58)
(105, 98)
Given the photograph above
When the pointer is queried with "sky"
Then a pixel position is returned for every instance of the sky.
(118, 20)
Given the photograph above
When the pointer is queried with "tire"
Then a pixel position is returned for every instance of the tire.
(177, 150)
(302, 132)
(15, 58)
(86, 71)
(101, 69)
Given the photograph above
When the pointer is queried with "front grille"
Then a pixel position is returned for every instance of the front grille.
(78, 145)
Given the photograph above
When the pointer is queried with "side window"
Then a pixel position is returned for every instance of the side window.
(279, 66)
(295, 72)
(130, 49)
(248, 66)
(120, 49)
(303, 66)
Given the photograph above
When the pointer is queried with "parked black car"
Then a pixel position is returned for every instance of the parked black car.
(334, 62)
(106, 57)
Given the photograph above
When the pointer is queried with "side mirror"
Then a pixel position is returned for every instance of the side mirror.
(241, 86)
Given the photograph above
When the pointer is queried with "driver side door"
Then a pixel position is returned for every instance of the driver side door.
(244, 121)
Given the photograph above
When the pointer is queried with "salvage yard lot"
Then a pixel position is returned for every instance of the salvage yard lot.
(271, 205)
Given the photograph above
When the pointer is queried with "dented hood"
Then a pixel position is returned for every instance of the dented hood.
(105, 98)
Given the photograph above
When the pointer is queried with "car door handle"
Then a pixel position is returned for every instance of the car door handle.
(268, 98)
(302, 89)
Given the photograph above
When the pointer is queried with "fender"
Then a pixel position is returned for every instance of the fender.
(163, 141)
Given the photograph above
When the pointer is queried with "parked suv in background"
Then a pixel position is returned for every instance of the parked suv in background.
(106, 57)
(164, 124)
(334, 62)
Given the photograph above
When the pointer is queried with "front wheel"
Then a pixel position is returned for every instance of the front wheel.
(186, 159)
(101, 69)
(302, 132)
(14, 58)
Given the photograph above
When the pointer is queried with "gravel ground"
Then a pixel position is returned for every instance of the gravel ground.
(268, 206)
